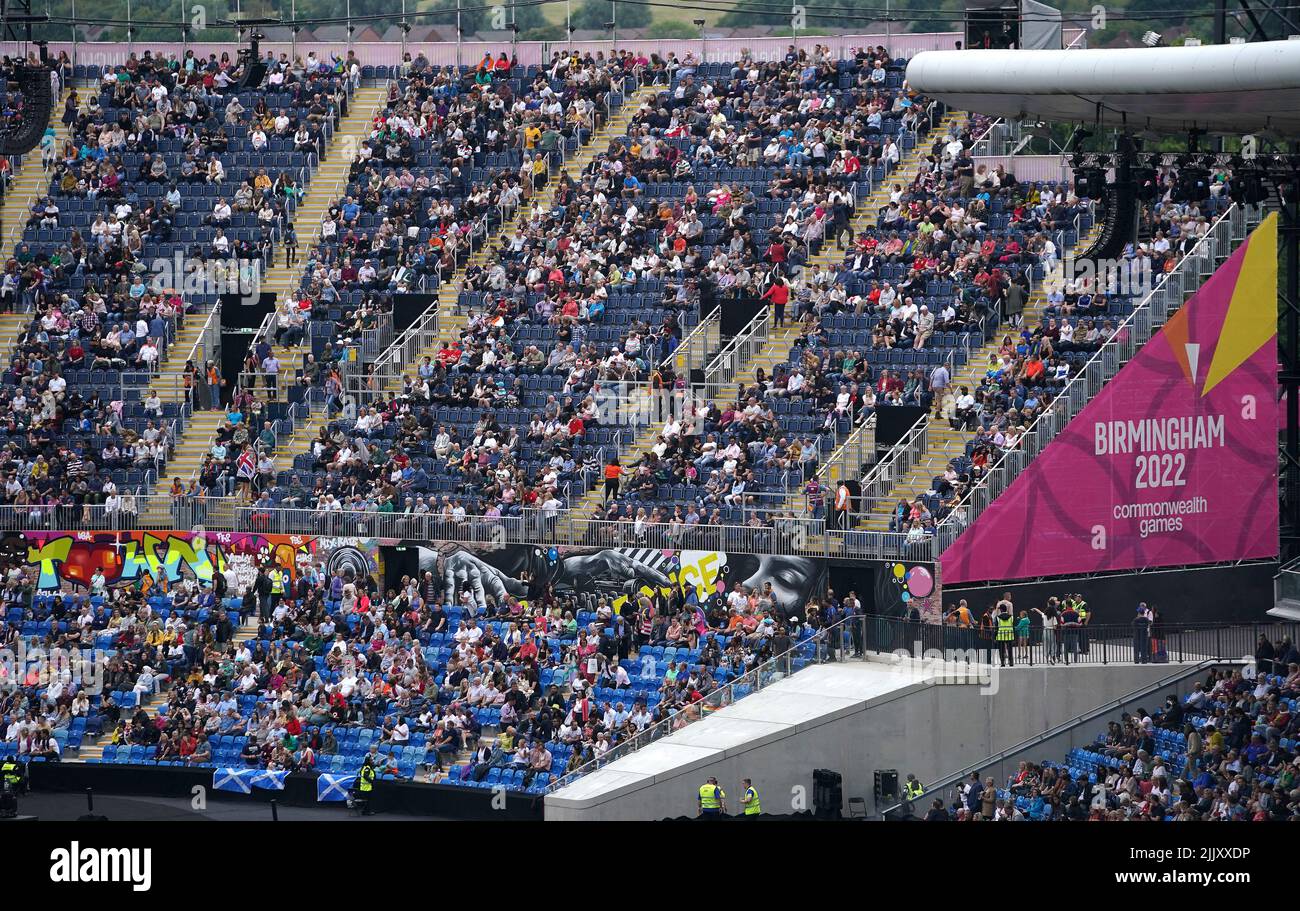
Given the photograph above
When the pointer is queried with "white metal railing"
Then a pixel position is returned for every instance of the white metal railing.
(737, 353)
(1136, 330)
(778, 533)
(696, 347)
(898, 462)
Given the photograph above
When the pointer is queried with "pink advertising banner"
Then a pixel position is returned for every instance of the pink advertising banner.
(1173, 462)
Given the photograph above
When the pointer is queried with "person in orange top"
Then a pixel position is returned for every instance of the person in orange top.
(1034, 369)
(613, 472)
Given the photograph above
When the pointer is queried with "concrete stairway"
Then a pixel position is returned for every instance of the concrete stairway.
(779, 342)
(172, 364)
(327, 184)
(31, 183)
(776, 350)
(89, 751)
(28, 186)
(451, 322)
(944, 443)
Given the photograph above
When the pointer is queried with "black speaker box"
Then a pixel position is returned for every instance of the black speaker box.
(38, 102)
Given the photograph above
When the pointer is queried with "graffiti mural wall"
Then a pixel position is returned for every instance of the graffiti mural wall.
(910, 586)
(68, 559)
(616, 573)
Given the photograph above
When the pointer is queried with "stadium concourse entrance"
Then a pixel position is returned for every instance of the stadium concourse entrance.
(241, 317)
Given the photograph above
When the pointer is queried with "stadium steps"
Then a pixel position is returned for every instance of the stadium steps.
(451, 321)
(184, 463)
(944, 443)
(95, 751)
(178, 352)
(29, 185)
(776, 350)
(328, 182)
(867, 212)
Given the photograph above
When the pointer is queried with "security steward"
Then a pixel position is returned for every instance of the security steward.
(366, 786)
(1006, 624)
(1081, 608)
(713, 800)
(749, 799)
(912, 788)
(13, 774)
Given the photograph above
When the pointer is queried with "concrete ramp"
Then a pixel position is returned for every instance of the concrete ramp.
(853, 717)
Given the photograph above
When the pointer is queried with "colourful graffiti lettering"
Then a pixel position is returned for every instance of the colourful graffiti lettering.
(698, 569)
(70, 559)
(50, 556)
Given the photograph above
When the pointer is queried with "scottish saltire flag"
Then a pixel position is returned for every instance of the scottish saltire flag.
(238, 781)
(333, 787)
(269, 781)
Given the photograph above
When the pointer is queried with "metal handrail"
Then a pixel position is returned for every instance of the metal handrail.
(1136, 329)
(775, 668)
(1064, 727)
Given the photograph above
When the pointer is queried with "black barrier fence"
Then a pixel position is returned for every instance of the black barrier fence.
(396, 797)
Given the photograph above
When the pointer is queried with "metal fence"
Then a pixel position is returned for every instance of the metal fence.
(737, 354)
(789, 536)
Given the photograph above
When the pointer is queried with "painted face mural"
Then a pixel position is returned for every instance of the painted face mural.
(523, 570)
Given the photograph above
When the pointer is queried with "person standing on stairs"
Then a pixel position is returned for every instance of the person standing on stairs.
(1016, 294)
(290, 245)
(939, 380)
(49, 149)
(842, 211)
(843, 505)
(70, 109)
(613, 472)
(778, 294)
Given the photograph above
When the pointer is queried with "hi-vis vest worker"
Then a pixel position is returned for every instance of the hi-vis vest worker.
(10, 772)
(277, 582)
(366, 778)
(711, 797)
(912, 789)
(1006, 627)
(842, 498)
(753, 806)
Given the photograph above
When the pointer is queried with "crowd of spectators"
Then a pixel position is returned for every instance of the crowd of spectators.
(435, 678)
(1082, 313)
(1226, 751)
